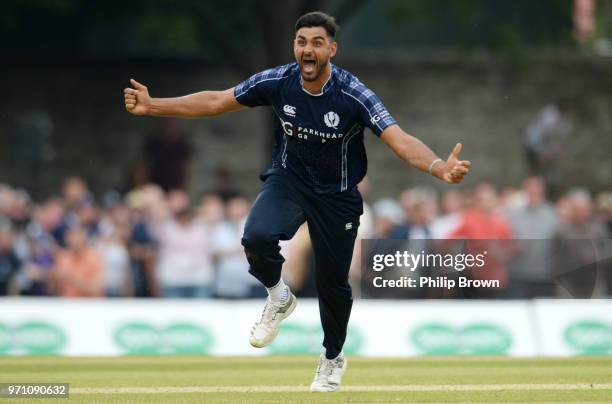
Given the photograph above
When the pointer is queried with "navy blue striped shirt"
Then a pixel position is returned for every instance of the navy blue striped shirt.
(319, 137)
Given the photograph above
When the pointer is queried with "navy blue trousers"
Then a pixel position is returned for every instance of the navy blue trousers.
(285, 203)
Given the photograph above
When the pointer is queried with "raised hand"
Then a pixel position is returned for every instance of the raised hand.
(137, 99)
(454, 169)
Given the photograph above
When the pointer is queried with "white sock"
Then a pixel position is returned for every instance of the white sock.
(279, 293)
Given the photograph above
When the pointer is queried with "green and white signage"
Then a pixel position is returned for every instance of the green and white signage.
(97, 327)
(589, 337)
(142, 338)
(471, 339)
(306, 339)
(32, 338)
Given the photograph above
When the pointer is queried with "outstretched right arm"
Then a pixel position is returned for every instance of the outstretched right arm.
(198, 105)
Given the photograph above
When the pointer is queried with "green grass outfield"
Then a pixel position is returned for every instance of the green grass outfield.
(172, 379)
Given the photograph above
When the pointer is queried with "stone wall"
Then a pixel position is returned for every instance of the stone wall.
(484, 104)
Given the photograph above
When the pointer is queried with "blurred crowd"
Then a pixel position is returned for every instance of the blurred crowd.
(536, 247)
(155, 243)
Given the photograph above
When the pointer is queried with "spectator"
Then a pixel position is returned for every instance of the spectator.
(419, 210)
(420, 206)
(177, 201)
(534, 227)
(366, 221)
(75, 192)
(365, 231)
(427, 195)
(184, 268)
(86, 215)
(211, 210)
(581, 247)
(544, 137)
(143, 256)
(10, 263)
(43, 246)
(233, 278)
(604, 207)
(453, 203)
(512, 198)
(17, 208)
(298, 270)
(55, 220)
(111, 245)
(168, 155)
(148, 207)
(563, 209)
(387, 215)
(79, 270)
(487, 231)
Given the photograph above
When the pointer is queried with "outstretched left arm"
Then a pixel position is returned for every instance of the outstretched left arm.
(417, 154)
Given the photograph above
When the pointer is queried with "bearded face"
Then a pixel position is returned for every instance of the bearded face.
(313, 48)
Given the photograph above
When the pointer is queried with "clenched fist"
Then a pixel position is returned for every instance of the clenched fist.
(137, 99)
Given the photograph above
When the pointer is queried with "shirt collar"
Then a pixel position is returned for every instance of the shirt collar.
(326, 86)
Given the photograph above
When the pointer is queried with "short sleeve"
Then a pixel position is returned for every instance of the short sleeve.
(260, 88)
(372, 112)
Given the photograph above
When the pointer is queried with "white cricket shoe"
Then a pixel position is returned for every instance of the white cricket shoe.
(266, 329)
(329, 374)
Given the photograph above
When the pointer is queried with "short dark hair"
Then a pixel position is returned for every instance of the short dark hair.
(318, 19)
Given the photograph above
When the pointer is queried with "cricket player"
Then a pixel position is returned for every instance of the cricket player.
(322, 111)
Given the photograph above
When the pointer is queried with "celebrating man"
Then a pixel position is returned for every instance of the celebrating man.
(319, 158)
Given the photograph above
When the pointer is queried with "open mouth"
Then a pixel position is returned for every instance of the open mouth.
(309, 65)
